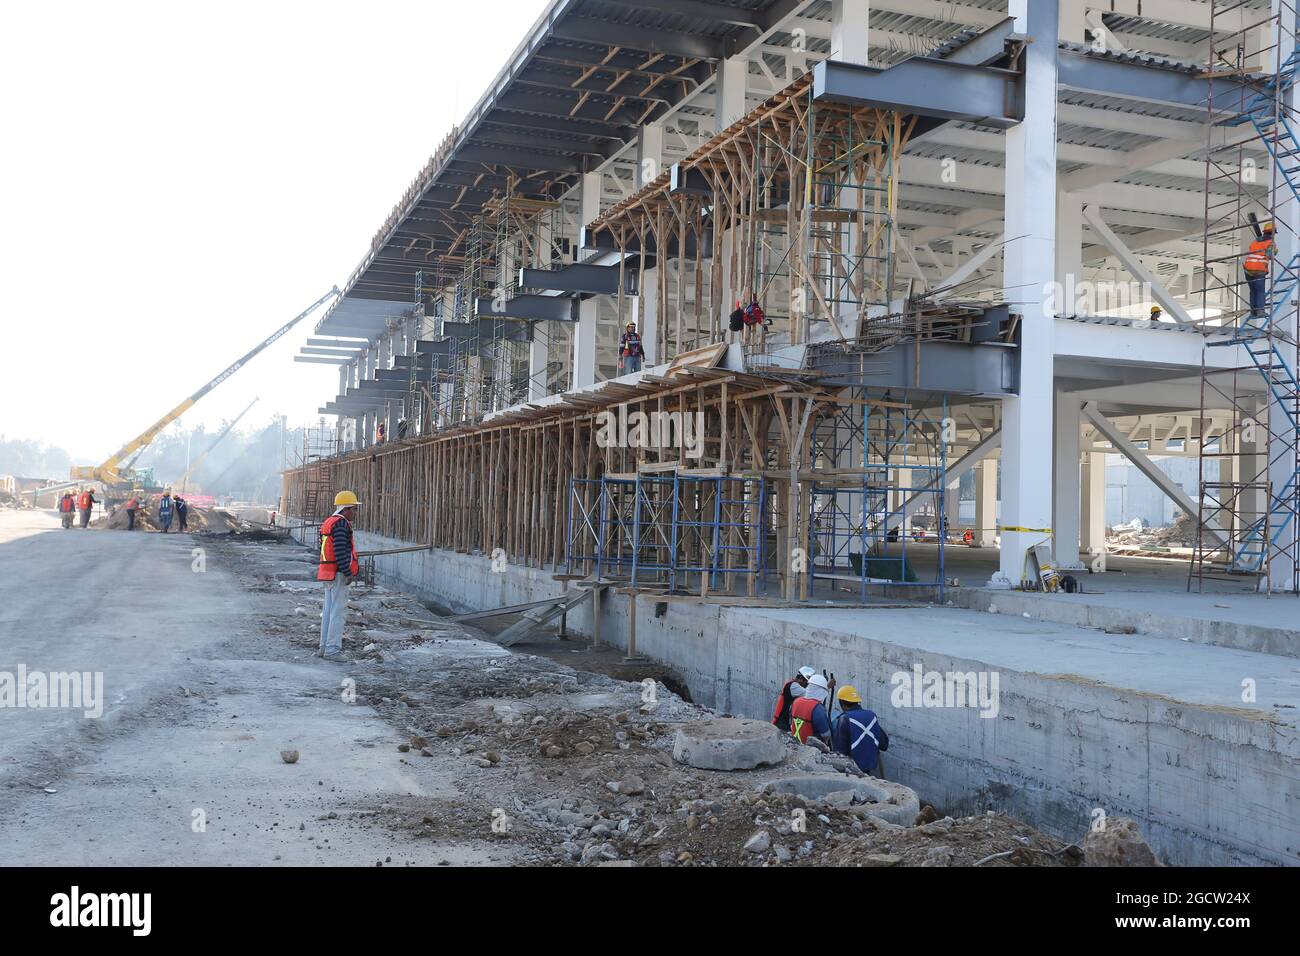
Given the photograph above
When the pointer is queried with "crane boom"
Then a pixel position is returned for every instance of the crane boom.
(111, 470)
(183, 481)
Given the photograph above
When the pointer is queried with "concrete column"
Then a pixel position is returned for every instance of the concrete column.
(1066, 481)
(731, 80)
(649, 154)
(1029, 270)
(849, 31)
(986, 502)
(647, 316)
(584, 339)
(952, 506)
(1283, 437)
(1069, 252)
(1092, 519)
(537, 359)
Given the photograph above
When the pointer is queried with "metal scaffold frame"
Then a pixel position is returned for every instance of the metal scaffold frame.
(1247, 512)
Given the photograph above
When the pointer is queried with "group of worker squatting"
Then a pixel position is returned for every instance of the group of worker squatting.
(804, 707)
(83, 502)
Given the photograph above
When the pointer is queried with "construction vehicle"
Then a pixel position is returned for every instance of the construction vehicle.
(182, 483)
(117, 475)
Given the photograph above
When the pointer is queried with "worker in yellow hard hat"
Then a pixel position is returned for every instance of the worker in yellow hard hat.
(338, 566)
(1157, 313)
(1257, 265)
(857, 732)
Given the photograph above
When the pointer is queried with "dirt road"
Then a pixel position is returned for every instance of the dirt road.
(184, 765)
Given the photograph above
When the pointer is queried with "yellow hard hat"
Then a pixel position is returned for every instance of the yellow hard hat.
(345, 498)
(1155, 309)
(849, 694)
(1267, 226)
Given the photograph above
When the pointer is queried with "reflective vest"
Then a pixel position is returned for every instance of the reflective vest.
(780, 710)
(801, 720)
(84, 501)
(65, 503)
(329, 565)
(1257, 258)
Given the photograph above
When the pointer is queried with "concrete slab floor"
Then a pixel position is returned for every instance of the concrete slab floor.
(1194, 673)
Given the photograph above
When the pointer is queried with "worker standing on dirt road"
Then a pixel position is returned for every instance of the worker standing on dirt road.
(808, 714)
(857, 732)
(165, 511)
(86, 502)
(785, 700)
(337, 546)
(67, 508)
(132, 507)
(182, 514)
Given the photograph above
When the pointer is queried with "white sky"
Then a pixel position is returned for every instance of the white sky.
(178, 180)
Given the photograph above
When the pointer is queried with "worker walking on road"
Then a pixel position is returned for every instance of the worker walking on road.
(1257, 264)
(67, 508)
(857, 732)
(182, 514)
(165, 511)
(790, 692)
(338, 566)
(86, 502)
(808, 715)
(132, 507)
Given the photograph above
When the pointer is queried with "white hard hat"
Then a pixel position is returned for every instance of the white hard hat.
(806, 672)
(818, 681)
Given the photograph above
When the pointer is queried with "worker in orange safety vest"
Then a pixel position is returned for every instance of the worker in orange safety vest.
(1257, 265)
(808, 715)
(338, 566)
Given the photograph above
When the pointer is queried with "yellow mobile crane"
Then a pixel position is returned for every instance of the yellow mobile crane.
(119, 477)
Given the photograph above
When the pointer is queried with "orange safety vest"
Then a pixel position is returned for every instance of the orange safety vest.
(84, 500)
(329, 565)
(801, 722)
(65, 503)
(1256, 262)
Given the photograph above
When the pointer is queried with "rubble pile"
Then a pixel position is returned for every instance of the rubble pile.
(146, 519)
(577, 768)
(1180, 534)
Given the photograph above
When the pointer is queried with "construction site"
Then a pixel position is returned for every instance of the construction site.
(831, 227)
(730, 345)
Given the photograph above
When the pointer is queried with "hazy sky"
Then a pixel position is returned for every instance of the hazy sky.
(178, 180)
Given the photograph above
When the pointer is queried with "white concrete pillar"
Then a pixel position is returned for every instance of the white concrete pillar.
(732, 80)
(1066, 480)
(1092, 518)
(986, 502)
(1069, 252)
(647, 316)
(538, 355)
(849, 32)
(649, 154)
(584, 339)
(1029, 271)
(1283, 437)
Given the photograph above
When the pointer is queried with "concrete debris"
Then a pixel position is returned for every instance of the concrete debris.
(289, 756)
(759, 842)
(729, 743)
(1118, 842)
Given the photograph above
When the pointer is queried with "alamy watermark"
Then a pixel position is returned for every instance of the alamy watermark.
(624, 429)
(39, 690)
(977, 690)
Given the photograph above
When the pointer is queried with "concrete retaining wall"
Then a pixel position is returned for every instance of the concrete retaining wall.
(1208, 786)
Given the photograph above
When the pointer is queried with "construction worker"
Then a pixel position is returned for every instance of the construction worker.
(1157, 313)
(857, 732)
(808, 716)
(132, 507)
(790, 691)
(630, 352)
(381, 434)
(182, 514)
(1256, 265)
(338, 566)
(67, 508)
(165, 511)
(86, 502)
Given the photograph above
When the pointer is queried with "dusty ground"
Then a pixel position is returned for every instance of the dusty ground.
(427, 744)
